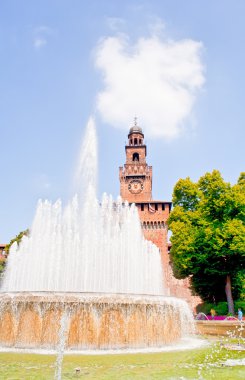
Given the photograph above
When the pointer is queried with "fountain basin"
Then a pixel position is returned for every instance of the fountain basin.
(223, 328)
(92, 320)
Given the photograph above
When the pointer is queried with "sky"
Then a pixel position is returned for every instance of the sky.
(176, 65)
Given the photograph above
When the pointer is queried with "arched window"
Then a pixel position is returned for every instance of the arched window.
(136, 157)
(135, 141)
(140, 142)
(131, 141)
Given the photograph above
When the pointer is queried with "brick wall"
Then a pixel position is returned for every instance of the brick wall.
(136, 187)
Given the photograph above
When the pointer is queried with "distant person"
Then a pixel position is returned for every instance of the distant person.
(239, 314)
(213, 313)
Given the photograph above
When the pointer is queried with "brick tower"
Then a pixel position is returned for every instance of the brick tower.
(136, 187)
(136, 176)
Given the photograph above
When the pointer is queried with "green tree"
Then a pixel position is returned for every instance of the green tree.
(208, 236)
(17, 239)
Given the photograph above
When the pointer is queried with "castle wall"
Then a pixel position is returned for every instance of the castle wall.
(136, 187)
(154, 227)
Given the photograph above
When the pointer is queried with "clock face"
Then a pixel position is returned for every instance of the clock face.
(135, 186)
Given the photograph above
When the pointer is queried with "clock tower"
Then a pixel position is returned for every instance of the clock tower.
(136, 176)
(136, 187)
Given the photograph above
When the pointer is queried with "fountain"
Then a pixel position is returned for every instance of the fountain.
(86, 278)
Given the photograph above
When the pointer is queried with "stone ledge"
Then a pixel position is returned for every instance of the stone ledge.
(223, 328)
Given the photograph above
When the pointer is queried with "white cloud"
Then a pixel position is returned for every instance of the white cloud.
(156, 79)
(41, 34)
(115, 23)
(44, 29)
(39, 42)
(156, 26)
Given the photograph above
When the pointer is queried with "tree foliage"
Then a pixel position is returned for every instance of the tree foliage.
(208, 235)
(17, 239)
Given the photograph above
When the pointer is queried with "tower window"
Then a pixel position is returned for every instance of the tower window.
(156, 206)
(136, 157)
(140, 142)
(142, 206)
(135, 142)
(131, 141)
(163, 206)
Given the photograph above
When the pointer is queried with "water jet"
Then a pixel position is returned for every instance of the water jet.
(86, 278)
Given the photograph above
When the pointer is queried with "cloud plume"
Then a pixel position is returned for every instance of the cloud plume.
(155, 79)
(41, 35)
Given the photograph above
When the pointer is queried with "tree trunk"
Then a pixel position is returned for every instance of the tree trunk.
(228, 292)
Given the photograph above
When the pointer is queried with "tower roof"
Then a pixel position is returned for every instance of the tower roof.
(135, 128)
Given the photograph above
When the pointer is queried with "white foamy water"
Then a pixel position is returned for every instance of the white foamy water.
(87, 245)
(234, 362)
(187, 343)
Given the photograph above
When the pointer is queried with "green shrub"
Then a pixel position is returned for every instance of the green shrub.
(2, 265)
(221, 308)
(205, 307)
(239, 304)
(239, 285)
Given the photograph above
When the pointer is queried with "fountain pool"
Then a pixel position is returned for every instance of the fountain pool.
(86, 278)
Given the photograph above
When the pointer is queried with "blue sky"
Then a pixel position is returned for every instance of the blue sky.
(63, 61)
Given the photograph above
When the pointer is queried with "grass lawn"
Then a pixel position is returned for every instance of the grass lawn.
(203, 363)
